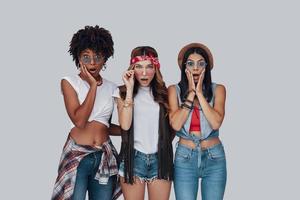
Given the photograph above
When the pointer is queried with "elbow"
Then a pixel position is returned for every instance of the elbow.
(216, 125)
(80, 124)
(125, 128)
(175, 127)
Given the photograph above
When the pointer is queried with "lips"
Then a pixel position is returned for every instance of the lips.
(92, 70)
(144, 79)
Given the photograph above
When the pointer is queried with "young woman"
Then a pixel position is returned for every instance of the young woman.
(197, 108)
(146, 151)
(88, 161)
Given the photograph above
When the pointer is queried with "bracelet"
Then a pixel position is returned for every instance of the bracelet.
(184, 105)
(189, 101)
(128, 103)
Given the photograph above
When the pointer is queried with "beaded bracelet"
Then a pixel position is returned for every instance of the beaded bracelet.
(189, 101)
(184, 105)
(127, 104)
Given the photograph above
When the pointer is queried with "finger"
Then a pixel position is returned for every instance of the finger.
(83, 70)
(87, 72)
(128, 75)
(187, 73)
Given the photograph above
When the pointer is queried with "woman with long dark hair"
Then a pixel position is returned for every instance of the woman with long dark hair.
(146, 150)
(197, 108)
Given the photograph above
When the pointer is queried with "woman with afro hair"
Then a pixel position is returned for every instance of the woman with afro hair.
(88, 161)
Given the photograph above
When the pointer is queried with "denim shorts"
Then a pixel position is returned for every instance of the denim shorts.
(145, 166)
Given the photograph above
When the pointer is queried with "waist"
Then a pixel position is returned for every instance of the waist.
(145, 155)
(205, 144)
(94, 134)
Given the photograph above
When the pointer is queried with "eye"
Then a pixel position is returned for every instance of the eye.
(98, 58)
(86, 59)
(190, 63)
(202, 63)
(138, 66)
(150, 66)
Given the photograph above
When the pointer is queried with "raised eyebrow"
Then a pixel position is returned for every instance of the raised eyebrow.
(98, 54)
(85, 53)
(189, 60)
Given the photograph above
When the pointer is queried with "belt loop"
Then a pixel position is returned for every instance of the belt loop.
(135, 152)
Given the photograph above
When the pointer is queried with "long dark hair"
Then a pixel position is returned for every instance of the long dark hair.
(157, 85)
(183, 83)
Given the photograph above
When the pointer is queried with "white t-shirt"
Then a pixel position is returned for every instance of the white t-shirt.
(146, 120)
(103, 106)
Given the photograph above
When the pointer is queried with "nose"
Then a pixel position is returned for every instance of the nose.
(92, 61)
(144, 71)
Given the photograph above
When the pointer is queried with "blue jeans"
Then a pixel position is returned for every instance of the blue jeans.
(85, 180)
(212, 170)
(145, 166)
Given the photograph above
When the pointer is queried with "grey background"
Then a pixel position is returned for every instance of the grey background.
(255, 45)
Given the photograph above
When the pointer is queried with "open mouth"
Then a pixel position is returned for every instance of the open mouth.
(92, 70)
(144, 79)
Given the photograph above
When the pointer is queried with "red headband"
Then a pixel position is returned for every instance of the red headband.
(154, 60)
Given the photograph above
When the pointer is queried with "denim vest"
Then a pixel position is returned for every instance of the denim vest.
(206, 130)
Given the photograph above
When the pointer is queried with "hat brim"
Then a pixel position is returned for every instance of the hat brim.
(193, 45)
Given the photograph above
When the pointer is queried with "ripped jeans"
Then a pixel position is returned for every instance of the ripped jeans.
(145, 166)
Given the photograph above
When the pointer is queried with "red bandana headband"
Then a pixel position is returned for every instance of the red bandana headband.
(153, 60)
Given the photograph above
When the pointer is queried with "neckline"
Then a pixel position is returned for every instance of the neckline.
(145, 88)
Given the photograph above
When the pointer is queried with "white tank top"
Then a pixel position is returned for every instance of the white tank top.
(103, 106)
(146, 120)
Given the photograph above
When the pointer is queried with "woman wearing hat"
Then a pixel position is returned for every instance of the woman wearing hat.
(197, 108)
(146, 150)
(88, 161)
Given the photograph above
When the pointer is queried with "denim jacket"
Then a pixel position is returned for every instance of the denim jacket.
(206, 130)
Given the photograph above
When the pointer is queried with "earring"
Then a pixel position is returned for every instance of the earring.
(104, 67)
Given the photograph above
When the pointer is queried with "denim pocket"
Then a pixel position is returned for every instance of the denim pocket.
(182, 154)
(216, 153)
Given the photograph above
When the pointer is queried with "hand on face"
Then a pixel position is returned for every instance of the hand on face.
(86, 75)
(200, 82)
(128, 79)
(190, 78)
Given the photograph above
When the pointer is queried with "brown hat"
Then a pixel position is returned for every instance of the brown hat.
(193, 45)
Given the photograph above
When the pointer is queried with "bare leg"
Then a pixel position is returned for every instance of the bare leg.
(159, 189)
(133, 192)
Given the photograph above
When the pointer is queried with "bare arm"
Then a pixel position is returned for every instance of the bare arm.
(125, 107)
(177, 115)
(78, 114)
(114, 130)
(214, 115)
